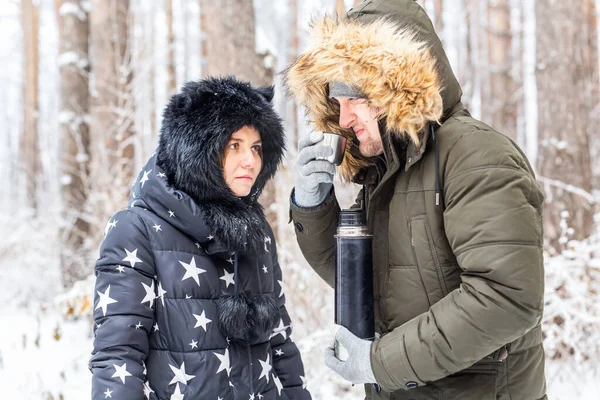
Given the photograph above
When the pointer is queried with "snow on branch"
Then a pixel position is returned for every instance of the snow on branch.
(568, 188)
(572, 304)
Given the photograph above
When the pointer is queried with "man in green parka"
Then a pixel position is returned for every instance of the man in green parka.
(454, 208)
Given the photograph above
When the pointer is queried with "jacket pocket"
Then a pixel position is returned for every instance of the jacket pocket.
(427, 259)
(470, 384)
(405, 295)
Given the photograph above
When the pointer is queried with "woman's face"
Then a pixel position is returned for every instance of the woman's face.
(242, 161)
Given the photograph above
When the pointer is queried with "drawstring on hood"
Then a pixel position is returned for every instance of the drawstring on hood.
(438, 190)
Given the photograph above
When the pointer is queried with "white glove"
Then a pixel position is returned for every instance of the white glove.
(357, 368)
(314, 178)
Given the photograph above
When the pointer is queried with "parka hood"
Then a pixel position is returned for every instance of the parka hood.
(390, 52)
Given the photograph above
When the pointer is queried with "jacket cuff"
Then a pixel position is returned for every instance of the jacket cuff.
(391, 366)
(301, 214)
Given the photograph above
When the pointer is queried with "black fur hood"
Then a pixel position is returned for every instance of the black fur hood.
(197, 124)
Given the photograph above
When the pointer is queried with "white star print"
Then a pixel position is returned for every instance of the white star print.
(150, 295)
(108, 393)
(121, 269)
(224, 359)
(171, 213)
(147, 389)
(197, 244)
(230, 261)
(145, 371)
(187, 296)
(180, 375)
(194, 344)
(161, 294)
(304, 382)
(121, 372)
(161, 175)
(266, 368)
(210, 237)
(251, 396)
(280, 330)
(228, 278)
(260, 396)
(191, 271)
(201, 320)
(156, 327)
(105, 300)
(111, 224)
(279, 352)
(177, 395)
(138, 325)
(267, 240)
(277, 384)
(265, 269)
(98, 325)
(132, 257)
(157, 227)
(282, 290)
(145, 177)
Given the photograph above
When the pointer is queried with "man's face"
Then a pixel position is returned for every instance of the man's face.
(358, 115)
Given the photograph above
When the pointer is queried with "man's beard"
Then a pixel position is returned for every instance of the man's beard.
(371, 148)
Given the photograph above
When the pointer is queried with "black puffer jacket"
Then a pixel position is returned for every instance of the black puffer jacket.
(189, 298)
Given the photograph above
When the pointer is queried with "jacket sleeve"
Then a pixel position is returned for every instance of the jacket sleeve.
(123, 315)
(287, 362)
(315, 227)
(493, 222)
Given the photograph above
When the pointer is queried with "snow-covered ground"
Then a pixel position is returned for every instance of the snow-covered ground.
(43, 354)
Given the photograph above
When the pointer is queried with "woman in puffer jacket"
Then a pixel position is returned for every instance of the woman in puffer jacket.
(189, 297)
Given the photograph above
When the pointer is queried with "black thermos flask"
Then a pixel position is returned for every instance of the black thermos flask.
(353, 277)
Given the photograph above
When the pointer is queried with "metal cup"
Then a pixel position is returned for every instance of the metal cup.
(337, 143)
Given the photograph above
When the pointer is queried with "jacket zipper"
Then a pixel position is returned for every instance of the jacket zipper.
(412, 246)
(250, 374)
(436, 261)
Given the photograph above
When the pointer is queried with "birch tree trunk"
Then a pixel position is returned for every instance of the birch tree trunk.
(29, 145)
(563, 81)
(229, 40)
(74, 134)
(293, 51)
(438, 6)
(171, 80)
(340, 8)
(112, 110)
(501, 104)
(592, 12)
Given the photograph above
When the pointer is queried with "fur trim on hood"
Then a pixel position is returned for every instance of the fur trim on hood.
(394, 70)
(197, 124)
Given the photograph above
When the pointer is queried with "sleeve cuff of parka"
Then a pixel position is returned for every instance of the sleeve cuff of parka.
(311, 219)
(390, 364)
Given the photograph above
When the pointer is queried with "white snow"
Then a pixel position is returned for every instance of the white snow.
(68, 8)
(46, 332)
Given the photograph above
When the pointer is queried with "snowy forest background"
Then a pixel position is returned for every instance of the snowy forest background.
(82, 87)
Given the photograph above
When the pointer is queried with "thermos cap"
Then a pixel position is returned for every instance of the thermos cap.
(352, 217)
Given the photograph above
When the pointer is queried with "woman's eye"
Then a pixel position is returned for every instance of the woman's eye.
(257, 148)
(233, 146)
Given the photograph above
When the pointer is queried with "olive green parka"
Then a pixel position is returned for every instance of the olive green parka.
(453, 205)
